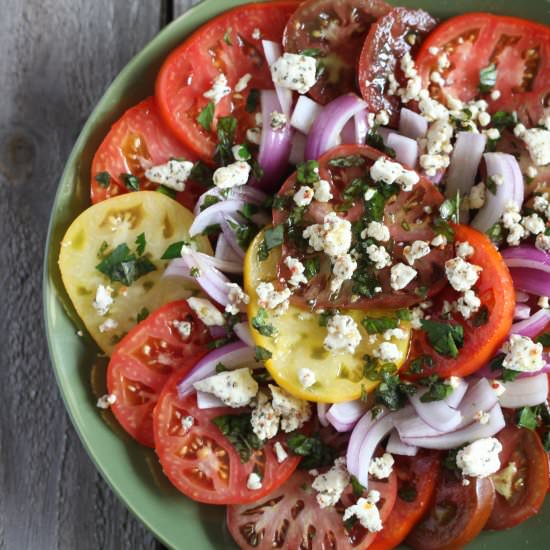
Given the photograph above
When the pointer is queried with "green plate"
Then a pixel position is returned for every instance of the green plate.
(133, 472)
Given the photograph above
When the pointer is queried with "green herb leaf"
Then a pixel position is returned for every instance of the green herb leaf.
(261, 323)
(408, 493)
(212, 229)
(166, 191)
(438, 389)
(244, 233)
(141, 243)
(527, 418)
(102, 249)
(173, 251)
(496, 233)
(209, 200)
(374, 139)
(418, 364)
(312, 267)
(237, 428)
(544, 339)
(227, 126)
(347, 161)
(142, 315)
(403, 314)
(357, 488)
(103, 178)
(125, 267)
(130, 181)
(374, 208)
(377, 325)
(307, 172)
(244, 152)
(252, 100)
(201, 173)
(325, 316)
(206, 116)
(446, 339)
(392, 392)
(227, 37)
(450, 209)
(481, 317)
(279, 203)
(487, 78)
(503, 119)
(262, 354)
(491, 185)
(356, 188)
(449, 462)
(273, 237)
(315, 453)
(311, 52)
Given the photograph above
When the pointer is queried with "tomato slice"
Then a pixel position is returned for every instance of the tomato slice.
(336, 30)
(527, 487)
(291, 518)
(398, 32)
(144, 360)
(201, 462)
(409, 216)
(484, 332)
(228, 44)
(416, 482)
(137, 141)
(520, 50)
(457, 515)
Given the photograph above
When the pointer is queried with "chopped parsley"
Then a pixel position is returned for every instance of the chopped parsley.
(166, 191)
(312, 266)
(315, 453)
(418, 364)
(544, 339)
(260, 322)
(206, 116)
(130, 181)
(103, 178)
(142, 315)
(226, 129)
(261, 353)
(124, 266)
(392, 392)
(244, 233)
(202, 173)
(273, 237)
(347, 161)
(237, 428)
(503, 119)
(438, 389)
(528, 418)
(356, 486)
(374, 139)
(377, 325)
(445, 338)
(141, 243)
(307, 172)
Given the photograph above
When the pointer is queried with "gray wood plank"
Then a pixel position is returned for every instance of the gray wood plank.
(58, 56)
(181, 6)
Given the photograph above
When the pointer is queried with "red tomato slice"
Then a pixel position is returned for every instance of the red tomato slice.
(227, 44)
(389, 39)
(412, 210)
(482, 337)
(416, 482)
(143, 361)
(336, 29)
(137, 141)
(201, 462)
(529, 485)
(291, 518)
(520, 49)
(457, 515)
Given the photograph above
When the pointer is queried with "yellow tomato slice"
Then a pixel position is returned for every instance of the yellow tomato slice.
(298, 342)
(98, 231)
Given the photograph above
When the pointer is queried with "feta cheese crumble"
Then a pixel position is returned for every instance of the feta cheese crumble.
(236, 388)
(233, 175)
(107, 325)
(103, 300)
(206, 311)
(303, 196)
(254, 482)
(280, 452)
(183, 328)
(322, 191)
(294, 412)
(295, 72)
(381, 467)
(331, 484)
(537, 142)
(236, 299)
(333, 236)
(387, 352)
(480, 458)
(464, 250)
(269, 298)
(522, 354)
(468, 304)
(392, 172)
(377, 231)
(533, 224)
(297, 270)
(416, 251)
(218, 90)
(172, 174)
(379, 256)
(477, 196)
(401, 275)
(277, 120)
(264, 420)
(105, 401)
(366, 512)
(343, 268)
(462, 275)
(343, 334)
(243, 83)
(307, 377)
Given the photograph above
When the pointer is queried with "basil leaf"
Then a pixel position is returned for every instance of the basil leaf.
(130, 181)
(206, 116)
(125, 267)
(315, 453)
(377, 325)
(347, 162)
(237, 428)
(307, 172)
(260, 322)
(103, 178)
(141, 243)
(252, 100)
(273, 237)
(528, 418)
(173, 251)
(446, 339)
(142, 315)
(261, 353)
(227, 127)
(544, 339)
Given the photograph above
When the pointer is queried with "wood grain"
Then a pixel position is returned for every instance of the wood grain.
(181, 6)
(58, 57)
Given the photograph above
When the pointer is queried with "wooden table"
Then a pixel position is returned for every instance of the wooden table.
(57, 57)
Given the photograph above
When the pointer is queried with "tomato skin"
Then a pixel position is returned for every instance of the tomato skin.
(136, 375)
(495, 289)
(420, 472)
(339, 41)
(189, 70)
(384, 47)
(522, 78)
(457, 515)
(523, 447)
(137, 140)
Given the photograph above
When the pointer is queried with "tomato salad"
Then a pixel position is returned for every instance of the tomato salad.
(318, 259)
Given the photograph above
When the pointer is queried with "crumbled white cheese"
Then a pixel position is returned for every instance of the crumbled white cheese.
(236, 388)
(381, 467)
(108, 325)
(401, 276)
(187, 423)
(294, 412)
(392, 172)
(432, 164)
(105, 401)
(495, 94)
(280, 452)
(256, 34)
(464, 250)
(333, 236)
(264, 420)
(343, 268)
(387, 352)
(542, 242)
(542, 205)
(537, 142)
(366, 512)
(397, 333)
(331, 484)
(379, 256)
(243, 83)
(233, 175)
(531, 172)
(439, 241)
(522, 354)
(482, 417)
(277, 120)
(236, 299)
(303, 196)
(219, 89)
(415, 251)
(416, 318)
(183, 328)
(377, 231)
(477, 196)
(461, 274)
(297, 270)
(322, 191)
(480, 458)
(172, 174)
(436, 78)
(498, 387)
(295, 72)
(254, 482)
(307, 377)
(103, 300)
(454, 381)
(269, 298)
(206, 311)
(543, 302)
(533, 224)
(468, 304)
(382, 118)
(343, 334)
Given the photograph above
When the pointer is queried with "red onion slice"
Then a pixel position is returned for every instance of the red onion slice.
(305, 113)
(275, 144)
(532, 326)
(329, 124)
(272, 52)
(437, 414)
(512, 189)
(230, 237)
(360, 121)
(521, 297)
(459, 391)
(343, 416)
(297, 151)
(414, 426)
(522, 312)
(215, 214)
(525, 392)
(531, 281)
(231, 356)
(406, 149)
(527, 256)
(208, 401)
(322, 409)
(242, 330)
(224, 252)
(412, 125)
(479, 397)
(396, 447)
(465, 160)
(473, 431)
(242, 192)
(347, 137)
